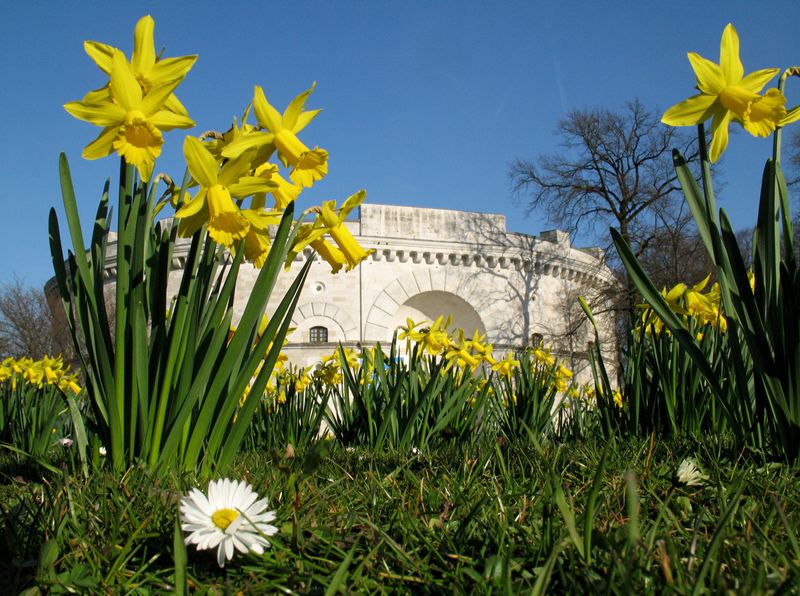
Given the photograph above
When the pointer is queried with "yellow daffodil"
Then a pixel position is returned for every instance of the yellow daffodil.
(351, 358)
(257, 241)
(303, 379)
(543, 356)
(308, 235)
(688, 302)
(436, 339)
(410, 331)
(132, 122)
(333, 223)
(214, 202)
(482, 350)
(283, 192)
(150, 70)
(308, 165)
(618, 398)
(349, 252)
(329, 371)
(506, 366)
(726, 94)
(461, 358)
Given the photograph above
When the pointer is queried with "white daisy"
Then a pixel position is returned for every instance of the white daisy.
(689, 474)
(231, 516)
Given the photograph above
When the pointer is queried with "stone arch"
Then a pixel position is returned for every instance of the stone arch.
(341, 326)
(427, 306)
(423, 294)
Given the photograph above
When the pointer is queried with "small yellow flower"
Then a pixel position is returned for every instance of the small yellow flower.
(214, 203)
(435, 339)
(506, 366)
(308, 165)
(410, 331)
(132, 122)
(150, 70)
(333, 223)
(726, 94)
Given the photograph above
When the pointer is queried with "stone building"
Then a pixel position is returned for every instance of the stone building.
(515, 288)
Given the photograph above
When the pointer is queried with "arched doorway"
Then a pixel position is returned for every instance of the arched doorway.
(428, 306)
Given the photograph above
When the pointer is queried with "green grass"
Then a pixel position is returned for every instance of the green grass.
(491, 519)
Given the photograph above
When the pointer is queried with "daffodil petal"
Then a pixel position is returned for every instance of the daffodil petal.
(729, 61)
(261, 219)
(144, 51)
(792, 116)
(95, 96)
(154, 100)
(192, 207)
(145, 170)
(174, 105)
(303, 119)
(236, 168)
(719, 130)
(200, 162)
(103, 114)
(190, 224)
(165, 120)
(694, 110)
(100, 53)
(351, 203)
(171, 69)
(249, 185)
(256, 139)
(710, 79)
(125, 88)
(102, 145)
(756, 80)
(267, 116)
(295, 108)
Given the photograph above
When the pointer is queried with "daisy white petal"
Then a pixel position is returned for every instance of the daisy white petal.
(231, 518)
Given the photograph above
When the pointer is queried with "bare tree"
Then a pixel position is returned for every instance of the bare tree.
(674, 252)
(791, 156)
(27, 326)
(615, 170)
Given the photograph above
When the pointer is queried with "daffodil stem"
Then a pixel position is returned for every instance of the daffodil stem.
(776, 137)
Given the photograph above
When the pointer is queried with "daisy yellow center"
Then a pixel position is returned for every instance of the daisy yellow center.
(222, 518)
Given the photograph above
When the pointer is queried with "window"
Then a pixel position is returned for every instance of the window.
(536, 340)
(319, 335)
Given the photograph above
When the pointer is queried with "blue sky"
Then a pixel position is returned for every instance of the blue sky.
(424, 103)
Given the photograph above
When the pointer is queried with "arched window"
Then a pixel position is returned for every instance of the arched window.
(536, 340)
(318, 335)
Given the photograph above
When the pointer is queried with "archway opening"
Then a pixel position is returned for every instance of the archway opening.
(428, 306)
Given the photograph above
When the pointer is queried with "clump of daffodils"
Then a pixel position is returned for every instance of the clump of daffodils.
(229, 518)
(689, 474)
(39, 373)
(231, 172)
(691, 304)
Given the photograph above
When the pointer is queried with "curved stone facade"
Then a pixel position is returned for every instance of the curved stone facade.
(431, 262)
(515, 288)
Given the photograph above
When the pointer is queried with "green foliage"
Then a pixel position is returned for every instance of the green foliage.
(523, 403)
(287, 416)
(572, 518)
(32, 419)
(757, 384)
(385, 402)
(164, 383)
